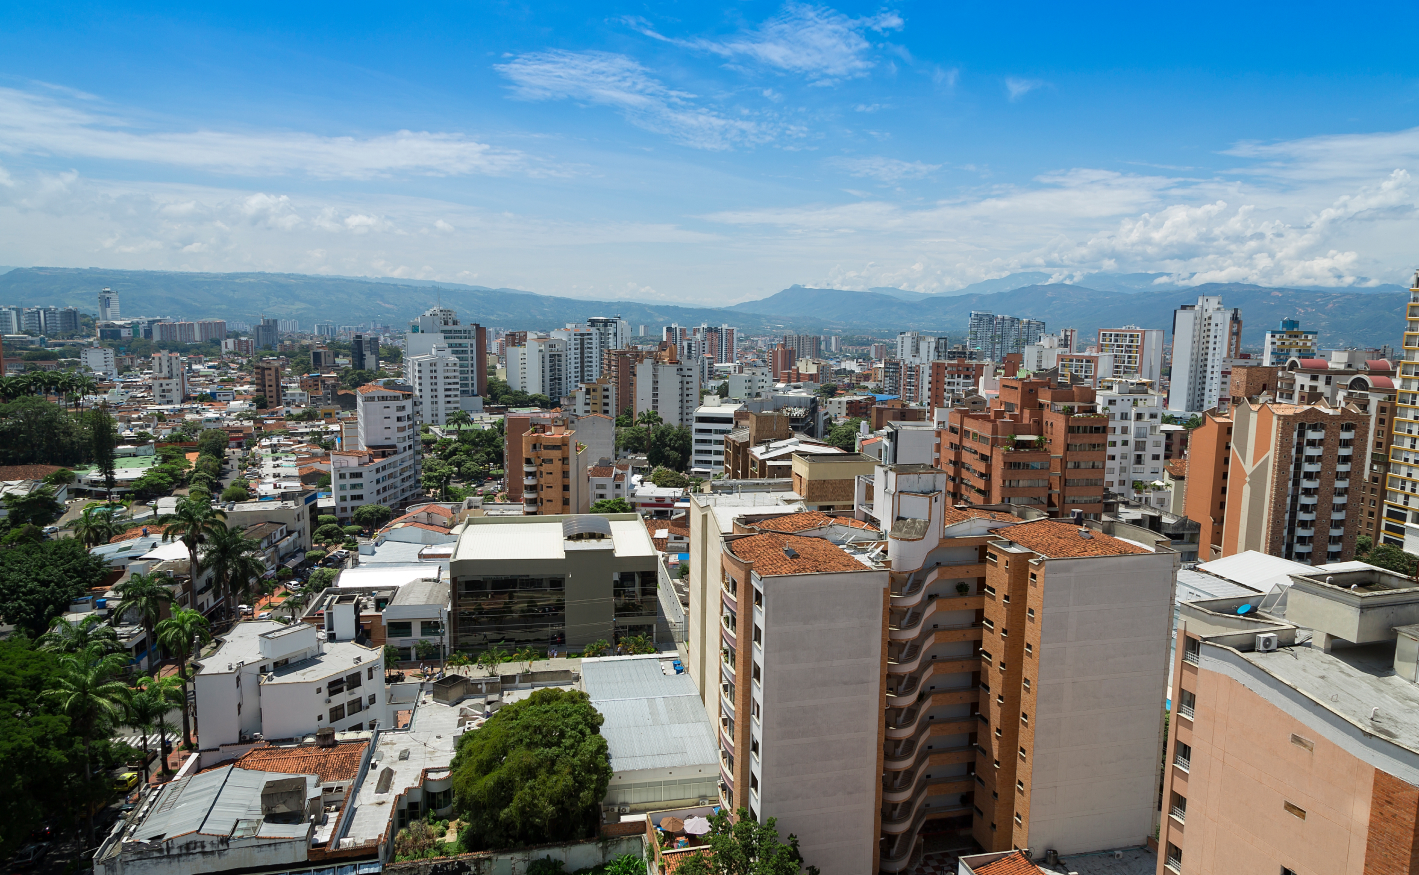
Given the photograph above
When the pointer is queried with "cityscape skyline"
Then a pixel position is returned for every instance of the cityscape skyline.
(704, 156)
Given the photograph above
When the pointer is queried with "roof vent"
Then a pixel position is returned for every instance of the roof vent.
(790, 552)
(325, 736)
(1085, 533)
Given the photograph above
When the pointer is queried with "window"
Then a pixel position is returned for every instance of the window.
(1030, 614)
(372, 699)
(337, 713)
(1179, 809)
(1018, 820)
(430, 628)
(1026, 683)
(399, 629)
(1182, 756)
(355, 706)
(370, 675)
(1294, 810)
(1174, 858)
(1020, 786)
(1022, 754)
(1029, 650)
(352, 680)
(1187, 703)
(1192, 651)
(336, 687)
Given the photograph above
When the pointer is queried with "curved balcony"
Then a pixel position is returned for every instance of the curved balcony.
(727, 778)
(904, 693)
(918, 619)
(529, 481)
(726, 703)
(902, 819)
(725, 742)
(906, 755)
(529, 469)
(919, 582)
(727, 600)
(726, 664)
(727, 633)
(910, 719)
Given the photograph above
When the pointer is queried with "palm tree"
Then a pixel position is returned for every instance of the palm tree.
(459, 417)
(85, 690)
(90, 633)
(183, 634)
(169, 694)
(148, 595)
(194, 523)
(81, 385)
(95, 525)
(650, 419)
(145, 707)
(233, 558)
(294, 602)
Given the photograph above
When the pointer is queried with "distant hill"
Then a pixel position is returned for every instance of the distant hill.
(1343, 319)
(343, 300)
(1350, 318)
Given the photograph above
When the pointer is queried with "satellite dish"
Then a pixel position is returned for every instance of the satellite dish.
(1244, 609)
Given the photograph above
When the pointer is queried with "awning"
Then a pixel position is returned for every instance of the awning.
(293, 561)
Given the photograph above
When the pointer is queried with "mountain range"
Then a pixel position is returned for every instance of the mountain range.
(1364, 318)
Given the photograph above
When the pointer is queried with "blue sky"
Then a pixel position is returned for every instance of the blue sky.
(712, 154)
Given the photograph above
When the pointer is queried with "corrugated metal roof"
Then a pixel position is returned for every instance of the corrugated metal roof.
(1195, 586)
(214, 802)
(653, 720)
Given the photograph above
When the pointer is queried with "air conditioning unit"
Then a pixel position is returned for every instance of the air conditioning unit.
(1267, 642)
(327, 700)
(624, 809)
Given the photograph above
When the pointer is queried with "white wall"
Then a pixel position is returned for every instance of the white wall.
(1103, 675)
(821, 701)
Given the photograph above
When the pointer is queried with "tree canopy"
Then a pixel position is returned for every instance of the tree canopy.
(612, 505)
(844, 434)
(745, 847)
(534, 773)
(1385, 556)
(38, 580)
(670, 447)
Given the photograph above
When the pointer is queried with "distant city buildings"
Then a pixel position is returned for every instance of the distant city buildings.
(992, 337)
(109, 305)
(1205, 335)
(1137, 352)
(1287, 342)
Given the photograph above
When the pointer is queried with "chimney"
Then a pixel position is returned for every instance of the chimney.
(325, 737)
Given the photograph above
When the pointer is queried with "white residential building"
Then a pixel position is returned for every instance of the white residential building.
(583, 362)
(284, 681)
(671, 389)
(384, 467)
(1135, 435)
(468, 343)
(713, 420)
(100, 360)
(615, 332)
(435, 378)
(108, 305)
(1205, 335)
(169, 381)
(539, 368)
(752, 383)
(1136, 351)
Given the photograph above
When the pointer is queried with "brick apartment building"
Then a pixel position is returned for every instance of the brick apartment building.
(1039, 444)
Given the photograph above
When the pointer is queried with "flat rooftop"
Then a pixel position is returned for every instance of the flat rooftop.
(542, 537)
(427, 743)
(654, 720)
(1351, 681)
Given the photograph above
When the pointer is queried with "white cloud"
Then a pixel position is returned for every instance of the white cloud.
(1018, 88)
(606, 79)
(889, 170)
(45, 125)
(817, 42)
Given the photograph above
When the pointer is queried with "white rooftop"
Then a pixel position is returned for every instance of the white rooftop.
(385, 575)
(1256, 570)
(428, 743)
(515, 539)
(653, 720)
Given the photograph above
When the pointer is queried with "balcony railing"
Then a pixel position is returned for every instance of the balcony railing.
(1182, 762)
(1179, 814)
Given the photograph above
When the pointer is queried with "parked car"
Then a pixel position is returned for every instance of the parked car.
(125, 782)
(28, 857)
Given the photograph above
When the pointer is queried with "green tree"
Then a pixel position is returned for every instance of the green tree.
(745, 847)
(96, 525)
(436, 477)
(392, 658)
(235, 562)
(85, 689)
(535, 772)
(372, 516)
(596, 648)
(321, 578)
(649, 419)
(194, 523)
(612, 505)
(670, 447)
(235, 492)
(38, 580)
(667, 479)
(492, 659)
(1392, 558)
(145, 709)
(183, 635)
(638, 644)
(38, 508)
(149, 596)
(62, 477)
(93, 631)
(168, 693)
(844, 434)
(330, 534)
(103, 440)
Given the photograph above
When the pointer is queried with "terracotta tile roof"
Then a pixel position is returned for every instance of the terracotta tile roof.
(953, 515)
(670, 527)
(1177, 468)
(136, 532)
(814, 555)
(1015, 864)
(338, 763)
(27, 472)
(807, 520)
(425, 526)
(1056, 539)
(600, 471)
(672, 860)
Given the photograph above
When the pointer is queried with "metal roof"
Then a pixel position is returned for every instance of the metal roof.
(221, 802)
(1256, 570)
(653, 720)
(585, 524)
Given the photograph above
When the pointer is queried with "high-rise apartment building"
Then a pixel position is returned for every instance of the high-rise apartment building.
(468, 343)
(916, 348)
(435, 378)
(381, 464)
(1136, 451)
(621, 371)
(584, 353)
(1402, 483)
(101, 360)
(1288, 341)
(593, 437)
(1137, 352)
(539, 367)
(713, 420)
(1087, 368)
(1292, 743)
(554, 467)
(1205, 335)
(364, 352)
(176, 332)
(60, 321)
(804, 346)
(266, 334)
(108, 306)
(324, 329)
(993, 337)
(720, 342)
(971, 692)
(668, 386)
(596, 397)
(268, 384)
(169, 381)
(1038, 444)
(615, 332)
(947, 382)
(211, 330)
(781, 359)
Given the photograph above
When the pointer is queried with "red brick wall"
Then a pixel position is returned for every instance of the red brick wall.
(1392, 847)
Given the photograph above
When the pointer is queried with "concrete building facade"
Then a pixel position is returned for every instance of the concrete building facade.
(1205, 335)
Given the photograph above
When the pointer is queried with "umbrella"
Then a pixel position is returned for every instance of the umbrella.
(697, 826)
(672, 825)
